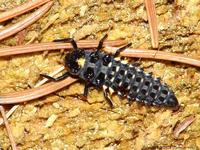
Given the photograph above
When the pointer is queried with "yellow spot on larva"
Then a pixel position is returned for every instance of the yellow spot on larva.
(81, 62)
(111, 90)
(124, 61)
(117, 58)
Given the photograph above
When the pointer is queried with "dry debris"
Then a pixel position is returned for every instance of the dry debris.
(183, 125)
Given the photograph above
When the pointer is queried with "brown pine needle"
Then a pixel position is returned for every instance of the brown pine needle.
(14, 50)
(26, 22)
(21, 9)
(153, 25)
(34, 93)
(154, 54)
(10, 135)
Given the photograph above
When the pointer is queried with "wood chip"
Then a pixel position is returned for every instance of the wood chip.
(51, 120)
(183, 125)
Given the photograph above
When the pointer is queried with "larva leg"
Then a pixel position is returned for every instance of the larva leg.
(95, 55)
(86, 89)
(122, 49)
(107, 96)
(65, 75)
(101, 43)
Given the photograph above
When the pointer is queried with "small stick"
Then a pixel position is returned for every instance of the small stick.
(21, 9)
(183, 125)
(12, 110)
(153, 25)
(26, 22)
(154, 54)
(30, 48)
(10, 135)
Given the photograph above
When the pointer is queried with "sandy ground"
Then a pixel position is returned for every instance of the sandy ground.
(61, 121)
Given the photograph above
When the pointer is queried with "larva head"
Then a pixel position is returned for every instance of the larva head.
(75, 61)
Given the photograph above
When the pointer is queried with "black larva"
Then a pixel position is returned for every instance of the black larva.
(114, 76)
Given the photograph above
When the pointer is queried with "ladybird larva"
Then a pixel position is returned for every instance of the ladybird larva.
(108, 72)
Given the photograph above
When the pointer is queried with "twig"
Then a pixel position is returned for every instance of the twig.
(154, 54)
(14, 50)
(10, 135)
(21, 9)
(153, 25)
(26, 22)
(183, 125)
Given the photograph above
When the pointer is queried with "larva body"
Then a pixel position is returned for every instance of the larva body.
(115, 76)
(124, 79)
